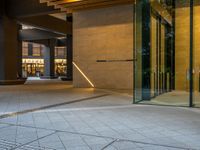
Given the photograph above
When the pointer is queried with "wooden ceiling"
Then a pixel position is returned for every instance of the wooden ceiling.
(74, 5)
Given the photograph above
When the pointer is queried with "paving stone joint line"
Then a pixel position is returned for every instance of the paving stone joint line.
(109, 144)
(7, 144)
(50, 106)
(114, 139)
(28, 143)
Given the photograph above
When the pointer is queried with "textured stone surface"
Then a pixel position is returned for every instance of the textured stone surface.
(104, 34)
(183, 46)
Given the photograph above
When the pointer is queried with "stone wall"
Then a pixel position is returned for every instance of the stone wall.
(104, 34)
(182, 47)
(196, 47)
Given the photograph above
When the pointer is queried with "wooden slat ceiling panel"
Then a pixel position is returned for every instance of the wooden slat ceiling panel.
(73, 5)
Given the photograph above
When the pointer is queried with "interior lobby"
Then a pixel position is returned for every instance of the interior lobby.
(99, 75)
(163, 71)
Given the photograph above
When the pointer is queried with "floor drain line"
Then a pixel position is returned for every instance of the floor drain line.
(50, 106)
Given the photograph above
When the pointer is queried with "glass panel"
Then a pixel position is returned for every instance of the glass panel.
(196, 53)
(162, 43)
(182, 49)
(153, 56)
(60, 62)
(24, 49)
(32, 67)
(138, 54)
(36, 50)
(60, 67)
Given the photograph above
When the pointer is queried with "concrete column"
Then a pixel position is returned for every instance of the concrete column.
(69, 58)
(19, 54)
(30, 49)
(49, 58)
(69, 47)
(8, 51)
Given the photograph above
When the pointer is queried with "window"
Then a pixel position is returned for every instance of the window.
(36, 50)
(60, 51)
(24, 49)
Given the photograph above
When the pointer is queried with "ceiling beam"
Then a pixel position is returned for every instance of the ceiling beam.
(59, 42)
(37, 34)
(2, 7)
(27, 8)
(60, 2)
(74, 5)
(161, 11)
(49, 23)
(104, 3)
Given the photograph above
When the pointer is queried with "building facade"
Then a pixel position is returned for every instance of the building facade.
(167, 67)
(33, 63)
(149, 47)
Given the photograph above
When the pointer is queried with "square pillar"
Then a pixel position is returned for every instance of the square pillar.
(69, 58)
(49, 59)
(8, 51)
(19, 55)
(69, 47)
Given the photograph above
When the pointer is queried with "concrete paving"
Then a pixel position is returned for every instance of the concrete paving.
(102, 120)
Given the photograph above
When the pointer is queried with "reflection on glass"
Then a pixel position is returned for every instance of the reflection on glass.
(162, 43)
(60, 67)
(32, 67)
(196, 53)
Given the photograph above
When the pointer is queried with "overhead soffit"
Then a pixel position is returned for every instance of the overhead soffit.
(70, 6)
(61, 16)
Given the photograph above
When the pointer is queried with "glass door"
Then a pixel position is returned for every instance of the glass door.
(138, 55)
(196, 53)
(162, 52)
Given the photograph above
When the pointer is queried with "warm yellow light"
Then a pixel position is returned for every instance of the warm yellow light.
(60, 61)
(29, 60)
(71, 1)
(83, 74)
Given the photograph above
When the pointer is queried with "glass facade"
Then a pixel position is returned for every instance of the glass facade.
(196, 53)
(60, 61)
(37, 50)
(33, 60)
(167, 68)
(32, 67)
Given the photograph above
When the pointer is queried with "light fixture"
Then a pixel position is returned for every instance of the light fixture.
(83, 74)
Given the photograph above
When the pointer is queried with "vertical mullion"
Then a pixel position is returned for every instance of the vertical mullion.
(134, 51)
(160, 68)
(191, 54)
(157, 62)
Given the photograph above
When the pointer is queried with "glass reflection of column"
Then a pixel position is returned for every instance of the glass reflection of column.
(196, 53)
(161, 58)
(142, 46)
(153, 55)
